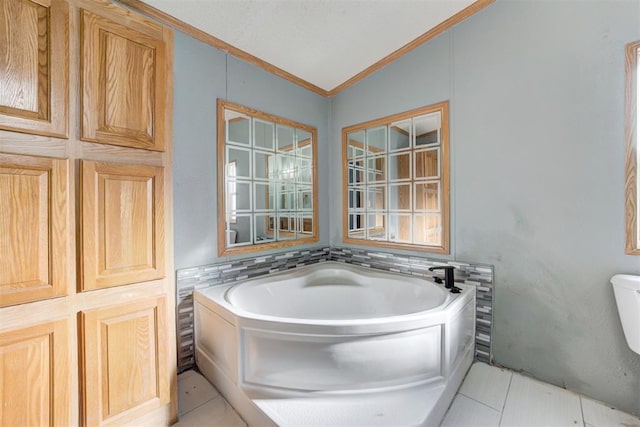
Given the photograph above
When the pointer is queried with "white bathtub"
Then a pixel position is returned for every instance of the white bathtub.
(332, 328)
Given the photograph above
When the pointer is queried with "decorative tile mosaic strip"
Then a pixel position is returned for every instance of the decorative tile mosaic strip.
(190, 279)
(480, 276)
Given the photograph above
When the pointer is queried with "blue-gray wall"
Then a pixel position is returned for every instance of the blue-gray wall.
(201, 75)
(536, 95)
(536, 91)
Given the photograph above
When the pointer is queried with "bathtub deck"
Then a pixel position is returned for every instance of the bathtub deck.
(489, 396)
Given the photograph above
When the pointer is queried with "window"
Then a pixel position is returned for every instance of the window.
(267, 181)
(631, 159)
(396, 181)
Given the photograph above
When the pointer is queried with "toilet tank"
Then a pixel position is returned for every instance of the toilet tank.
(627, 292)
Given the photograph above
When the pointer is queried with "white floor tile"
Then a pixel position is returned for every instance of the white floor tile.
(598, 414)
(193, 391)
(465, 412)
(533, 403)
(216, 412)
(187, 374)
(487, 384)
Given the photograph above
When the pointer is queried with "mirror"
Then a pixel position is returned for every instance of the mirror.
(396, 176)
(267, 181)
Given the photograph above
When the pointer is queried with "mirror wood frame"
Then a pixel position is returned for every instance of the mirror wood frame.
(632, 246)
(223, 250)
(443, 248)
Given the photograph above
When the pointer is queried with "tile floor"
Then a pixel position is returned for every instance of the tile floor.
(489, 397)
(200, 404)
(492, 397)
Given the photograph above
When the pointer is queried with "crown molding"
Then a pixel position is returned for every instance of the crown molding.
(166, 19)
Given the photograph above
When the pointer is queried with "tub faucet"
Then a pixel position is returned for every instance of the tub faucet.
(449, 281)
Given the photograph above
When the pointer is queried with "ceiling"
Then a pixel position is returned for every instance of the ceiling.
(322, 42)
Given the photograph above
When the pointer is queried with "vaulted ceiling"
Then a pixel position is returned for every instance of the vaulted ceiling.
(327, 44)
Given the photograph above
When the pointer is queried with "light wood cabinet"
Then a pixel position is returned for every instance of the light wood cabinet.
(124, 353)
(123, 83)
(122, 224)
(34, 66)
(36, 382)
(34, 228)
(87, 290)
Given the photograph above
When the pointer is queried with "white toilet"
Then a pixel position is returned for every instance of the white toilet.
(627, 291)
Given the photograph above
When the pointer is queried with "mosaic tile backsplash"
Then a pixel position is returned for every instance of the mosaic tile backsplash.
(190, 279)
(480, 276)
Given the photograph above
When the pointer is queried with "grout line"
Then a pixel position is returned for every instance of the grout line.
(508, 391)
(458, 392)
(200, 405)
(482, 403)
(584, 423)
(505, 399)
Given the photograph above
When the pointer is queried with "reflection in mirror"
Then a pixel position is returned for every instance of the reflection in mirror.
(400, 197)
(238, 127)
(376, 140)
(240, 158)
(262, 165)
(427, 163)
(263, 196)
(396, 179)
(264, 233)
(399, 136)
(285, 136)
(267, 181)
(399, 166)
(376, 169)
(304, 143)
(427, 129)
(263, 134)
(240, 234)
(400, 228)
(427, 196)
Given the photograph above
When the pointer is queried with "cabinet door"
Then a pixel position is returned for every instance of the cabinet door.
(124, 84)
(122, 224)
(35, 378)
(34, 66)
(34, 228)
(124, 361)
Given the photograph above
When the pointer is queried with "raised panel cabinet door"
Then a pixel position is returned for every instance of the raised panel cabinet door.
(35, 376)
(124, 79)
(34, 228)
(34, 70)
(122, 224)
(124, 361)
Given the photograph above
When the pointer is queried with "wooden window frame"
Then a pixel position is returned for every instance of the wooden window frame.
(443, 248)
(223, 250)
(632, 246)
